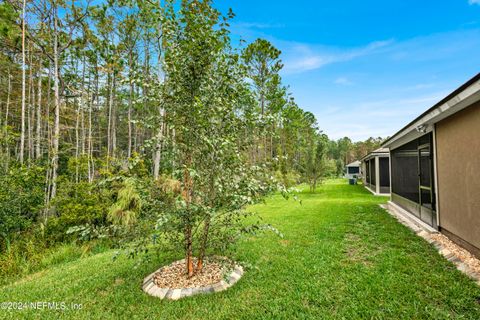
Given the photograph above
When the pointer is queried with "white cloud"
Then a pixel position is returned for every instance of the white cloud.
(421, 86)
(474, 2)
(374, 118)
(302, 57)
(257, 25)
(343, 81)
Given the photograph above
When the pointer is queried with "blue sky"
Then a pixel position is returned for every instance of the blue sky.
(366, 68)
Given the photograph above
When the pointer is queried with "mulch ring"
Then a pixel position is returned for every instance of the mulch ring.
(172, 282)
(174, 276)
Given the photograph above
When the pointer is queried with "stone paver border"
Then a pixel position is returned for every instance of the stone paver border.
(426, 234)
(152, 289)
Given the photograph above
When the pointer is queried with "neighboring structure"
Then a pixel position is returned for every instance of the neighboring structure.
(376, 171)
(435, 162)
(353, 170)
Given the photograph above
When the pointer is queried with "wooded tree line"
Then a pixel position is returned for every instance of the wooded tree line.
(153, 90)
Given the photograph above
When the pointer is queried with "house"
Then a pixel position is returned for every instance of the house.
(434, 164)
(353, 170)
(376, 171)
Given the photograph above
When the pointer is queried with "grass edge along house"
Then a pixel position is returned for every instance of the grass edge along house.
(434, 166)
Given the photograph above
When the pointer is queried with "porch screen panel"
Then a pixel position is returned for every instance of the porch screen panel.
(384, 172)
(426, 171)
(405, 171)
(373, 179)
(367, 171)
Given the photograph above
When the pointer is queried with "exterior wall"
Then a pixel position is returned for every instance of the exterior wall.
(458, 163)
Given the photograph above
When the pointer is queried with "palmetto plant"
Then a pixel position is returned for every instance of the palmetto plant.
(125, 210)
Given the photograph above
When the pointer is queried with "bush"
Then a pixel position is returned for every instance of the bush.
(29, 255)
(289, 179)
(21, 200)
(78, 204)
(125, 210)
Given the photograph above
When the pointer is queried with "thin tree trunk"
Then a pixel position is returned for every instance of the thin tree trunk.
(208, 220)
(83, 135)
(203, 244)
(109, 126)
(114, 117)
(187, 195)
(130, 100)
(56, 130)
(90, 142)
(77, 142)
(48, 128)
(189, 250)
(82, 102)
(159, 139)
(136, 129)
(158, 148)
(39, 112)
(130, 103)
(9, 90)
(22, 130)
(30, 113)
(7, 107)
(173, 135)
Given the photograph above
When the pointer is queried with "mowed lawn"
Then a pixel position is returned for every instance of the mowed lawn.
(342, 257)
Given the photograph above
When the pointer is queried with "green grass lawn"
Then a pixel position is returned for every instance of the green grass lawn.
(342, 257)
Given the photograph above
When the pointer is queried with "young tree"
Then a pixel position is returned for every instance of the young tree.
(203, 86)
(317, 162)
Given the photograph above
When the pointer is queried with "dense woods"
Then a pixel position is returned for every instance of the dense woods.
(128, 118)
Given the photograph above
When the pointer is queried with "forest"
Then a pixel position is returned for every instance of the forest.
(125, 122)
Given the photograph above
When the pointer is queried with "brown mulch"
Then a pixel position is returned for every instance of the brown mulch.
(174, 276)
(463, 255)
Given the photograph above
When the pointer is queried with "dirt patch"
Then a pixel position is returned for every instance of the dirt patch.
(357, 252)
(463, 255)
(174, 276)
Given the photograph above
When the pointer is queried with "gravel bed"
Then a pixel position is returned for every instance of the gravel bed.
(461, 254)
(171, 282)
(174, 275)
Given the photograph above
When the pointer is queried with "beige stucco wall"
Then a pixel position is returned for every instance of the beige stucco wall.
(458, 168)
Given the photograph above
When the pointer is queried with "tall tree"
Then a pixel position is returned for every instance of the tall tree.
(24, 68)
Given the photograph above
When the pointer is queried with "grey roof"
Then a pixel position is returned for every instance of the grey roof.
(379, 152)
(354, 164)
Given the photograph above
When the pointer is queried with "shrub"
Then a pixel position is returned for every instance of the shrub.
(289, 179)
(78, 204)
(21, 200)
(125, 210)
